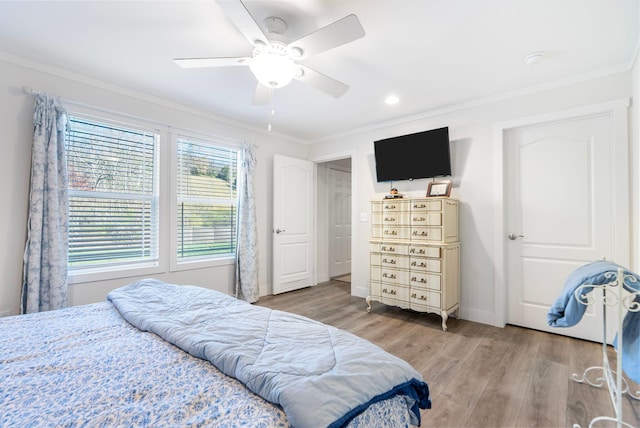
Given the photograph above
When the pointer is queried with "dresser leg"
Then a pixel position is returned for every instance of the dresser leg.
(368, 300)
(445, 317)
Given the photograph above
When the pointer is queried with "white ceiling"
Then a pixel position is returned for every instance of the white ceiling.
(430, 53)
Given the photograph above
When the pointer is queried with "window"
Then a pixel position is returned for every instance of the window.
(207, 201)
(113, 195)
(118, 226)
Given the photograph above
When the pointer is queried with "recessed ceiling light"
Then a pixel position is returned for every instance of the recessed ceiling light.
(533, 57)
(391, 99)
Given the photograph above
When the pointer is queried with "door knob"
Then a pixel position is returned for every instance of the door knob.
(513, 236)
(280, 230)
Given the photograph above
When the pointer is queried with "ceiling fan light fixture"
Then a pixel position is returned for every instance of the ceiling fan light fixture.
(273, 67)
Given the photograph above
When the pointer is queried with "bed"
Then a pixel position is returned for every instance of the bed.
(158, 354)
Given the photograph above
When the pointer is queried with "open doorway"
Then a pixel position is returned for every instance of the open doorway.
(334, 220)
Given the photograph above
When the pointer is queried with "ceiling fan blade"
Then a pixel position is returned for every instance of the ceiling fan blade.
(242, 19)
(333, 35)
(322, 82)
(262, 95)
(211, 62)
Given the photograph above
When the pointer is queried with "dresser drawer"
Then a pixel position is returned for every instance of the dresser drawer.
(423, 250)
(395, 206)
(398, 261)
(426, 219)
(425, 265)
(396, 295)
(426, 233)
(394, 276)
(389, 294)
(397, 232)
(422, 299)
(395, 218)
(426, 205)
(394, 248)
(425, 280)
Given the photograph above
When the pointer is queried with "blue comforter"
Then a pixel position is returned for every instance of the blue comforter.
(567, 310)
(320, 375)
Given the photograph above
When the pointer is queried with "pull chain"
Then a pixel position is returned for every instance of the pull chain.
(272, 111)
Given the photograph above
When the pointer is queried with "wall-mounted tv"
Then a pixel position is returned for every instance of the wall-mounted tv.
(408, 157)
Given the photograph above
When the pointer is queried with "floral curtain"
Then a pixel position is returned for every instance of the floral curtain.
(247, 249)
(44, 285)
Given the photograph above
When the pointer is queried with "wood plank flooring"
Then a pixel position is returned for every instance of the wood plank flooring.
(478, 375)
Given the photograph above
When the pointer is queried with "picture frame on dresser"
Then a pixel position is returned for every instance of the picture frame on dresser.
(440, 189)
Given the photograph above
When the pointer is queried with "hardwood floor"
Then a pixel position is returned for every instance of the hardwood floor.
(478, 375)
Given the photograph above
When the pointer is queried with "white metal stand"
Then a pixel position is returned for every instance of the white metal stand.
(621, 300)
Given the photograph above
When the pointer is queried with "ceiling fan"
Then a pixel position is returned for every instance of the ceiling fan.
(274, 61)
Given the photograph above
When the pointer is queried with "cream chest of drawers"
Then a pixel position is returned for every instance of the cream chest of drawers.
(415, 255)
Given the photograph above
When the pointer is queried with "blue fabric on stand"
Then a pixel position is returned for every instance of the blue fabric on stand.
(568, 308)
(631, 343)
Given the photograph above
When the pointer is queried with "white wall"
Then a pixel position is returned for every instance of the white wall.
(471, 134)
(634, 164)
(16, 112)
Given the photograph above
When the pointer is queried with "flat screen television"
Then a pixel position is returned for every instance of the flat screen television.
(408, 157)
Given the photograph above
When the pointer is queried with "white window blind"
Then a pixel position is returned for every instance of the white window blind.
(207, 200)
(113, 195)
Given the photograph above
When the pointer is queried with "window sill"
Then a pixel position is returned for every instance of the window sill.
(177, 266)
(103, 274)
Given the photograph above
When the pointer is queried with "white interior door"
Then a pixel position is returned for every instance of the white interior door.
(292, 223)
(340, 223)
(560, 199)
